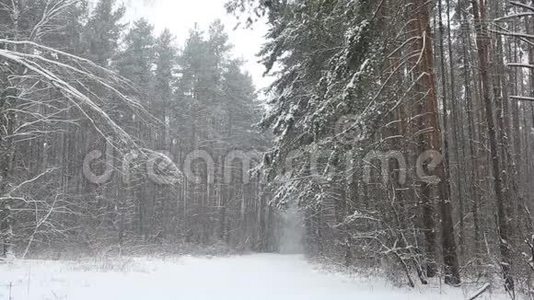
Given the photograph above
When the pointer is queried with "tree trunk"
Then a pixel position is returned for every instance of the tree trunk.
(433, 140)
(502, 221)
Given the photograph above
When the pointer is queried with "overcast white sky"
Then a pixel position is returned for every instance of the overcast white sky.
(181, 15)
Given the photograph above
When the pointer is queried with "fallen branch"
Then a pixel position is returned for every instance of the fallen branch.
(481, 291)
(522, 98)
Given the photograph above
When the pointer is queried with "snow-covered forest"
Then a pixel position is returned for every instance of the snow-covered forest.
(395, 142)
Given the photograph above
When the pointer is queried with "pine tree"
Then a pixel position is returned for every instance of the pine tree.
(137, 59)
(102, 32)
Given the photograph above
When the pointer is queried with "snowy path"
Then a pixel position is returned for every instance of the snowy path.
(253, 277)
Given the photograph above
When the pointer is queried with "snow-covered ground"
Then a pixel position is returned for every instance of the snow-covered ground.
(252, 277)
